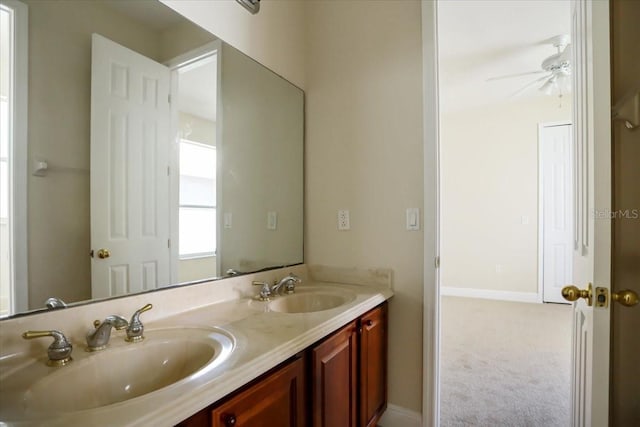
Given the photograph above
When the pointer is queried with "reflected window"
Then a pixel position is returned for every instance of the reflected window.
(13, 71)
(197, 208)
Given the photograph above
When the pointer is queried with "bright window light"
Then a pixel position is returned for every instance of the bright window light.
(197, 212)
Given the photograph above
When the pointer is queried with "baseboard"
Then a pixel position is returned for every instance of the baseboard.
(490, 294)
(396, 416)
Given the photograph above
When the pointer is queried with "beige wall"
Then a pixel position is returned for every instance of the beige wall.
(259, 178)
(193, 269)
(197, 129)
(361, 71)
(489, 181)
(364, 153)
(273, 37)
(625, 373)
(182, 38)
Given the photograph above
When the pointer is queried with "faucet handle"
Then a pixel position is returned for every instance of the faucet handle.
(135, 330)
(59, 351)
(290, 283)
(295, 279)
(265, 291)
(54, 303)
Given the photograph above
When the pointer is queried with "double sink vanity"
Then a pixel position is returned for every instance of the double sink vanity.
(311, 353)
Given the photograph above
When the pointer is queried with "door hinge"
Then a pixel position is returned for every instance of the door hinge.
(436, 262)
(168, 170)
(169, 98)
(169, 243)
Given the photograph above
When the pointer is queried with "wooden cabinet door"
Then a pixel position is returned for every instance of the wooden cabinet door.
(373, 366)
(334, 376)
(275, 401)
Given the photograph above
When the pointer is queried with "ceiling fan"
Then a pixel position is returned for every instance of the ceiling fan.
(556, 69)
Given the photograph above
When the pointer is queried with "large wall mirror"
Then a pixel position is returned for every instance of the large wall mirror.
(156, 154)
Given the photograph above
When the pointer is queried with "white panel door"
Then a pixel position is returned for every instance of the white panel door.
(592, 180)
(130, 120)
(557, 211)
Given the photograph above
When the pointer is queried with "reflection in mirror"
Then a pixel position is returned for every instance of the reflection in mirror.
(156, 154)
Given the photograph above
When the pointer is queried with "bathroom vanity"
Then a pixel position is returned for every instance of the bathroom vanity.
(338, 381)
(212, 355)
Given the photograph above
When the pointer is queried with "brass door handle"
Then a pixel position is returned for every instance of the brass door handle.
(104, 253)
(627, 297)
(573, 293)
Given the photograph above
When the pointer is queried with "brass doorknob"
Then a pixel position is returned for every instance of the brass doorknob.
(573, 293)
(104, 253)
(627, 297)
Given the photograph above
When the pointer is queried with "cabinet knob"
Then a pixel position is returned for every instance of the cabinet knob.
(229, 420)
(369, 322)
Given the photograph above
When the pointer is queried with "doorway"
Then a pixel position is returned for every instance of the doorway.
(194, 204)
(493, 93)
(555, 223)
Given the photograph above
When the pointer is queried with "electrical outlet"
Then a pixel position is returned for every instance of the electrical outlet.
(498, 268)
(343, 220)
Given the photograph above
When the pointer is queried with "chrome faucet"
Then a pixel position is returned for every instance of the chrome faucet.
(99, 337)
(288, 283)
(54, 303)
(232, 272)
(265, 292)
(59, 351)
(135, 330)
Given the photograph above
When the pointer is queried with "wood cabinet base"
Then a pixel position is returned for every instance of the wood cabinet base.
(344, 384)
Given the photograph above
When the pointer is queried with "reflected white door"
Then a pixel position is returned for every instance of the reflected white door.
(557, 210)
(592, 179)
(130, 121)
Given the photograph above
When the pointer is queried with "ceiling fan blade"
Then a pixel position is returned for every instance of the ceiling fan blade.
(528, 85)
(508, 76)
(565, 55)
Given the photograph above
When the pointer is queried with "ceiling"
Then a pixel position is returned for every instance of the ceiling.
(197, 86)
(480, 39)
(150, 13)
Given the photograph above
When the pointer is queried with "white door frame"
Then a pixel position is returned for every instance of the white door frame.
(175, 65)
(431, 286)
(18, 233)
(541, 205)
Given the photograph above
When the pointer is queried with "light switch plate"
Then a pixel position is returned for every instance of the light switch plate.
(228, 220)
(413, 219)
(272, 220)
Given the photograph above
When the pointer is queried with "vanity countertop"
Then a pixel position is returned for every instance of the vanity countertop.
(263, 340)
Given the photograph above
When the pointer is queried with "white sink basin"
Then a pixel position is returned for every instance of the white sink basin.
(121, 372)
(311, 299)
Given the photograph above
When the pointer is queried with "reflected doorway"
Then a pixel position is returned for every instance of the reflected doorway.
(195, 86)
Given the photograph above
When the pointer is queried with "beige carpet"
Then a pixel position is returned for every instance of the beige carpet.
(504, 363)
